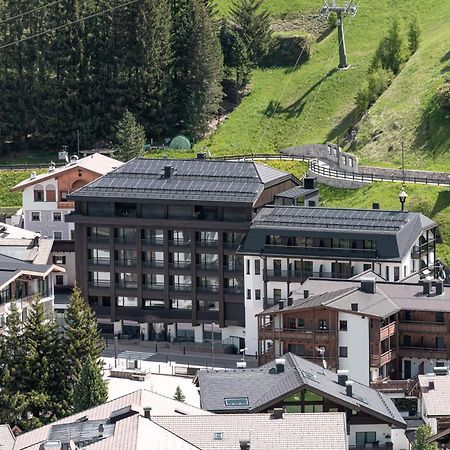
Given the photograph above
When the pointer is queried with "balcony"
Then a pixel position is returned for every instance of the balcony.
(128, 240)
(299, 334)
(98, 240)
(156, 264)
(99, 284)
(99, 262)
(180, 265)
(126, 262)
(393, 386)
(180, 243)
(387, 331)
(127, 285)
(423, 352)
(299, 276)
(153, 287)
(239, 268)
(181, 287)
(353, 253)
(153, 241)
(384, 358)
(207, 243)
(214, 266)
(66, 205)
(207, 289)
(423, 327)
(234, 290)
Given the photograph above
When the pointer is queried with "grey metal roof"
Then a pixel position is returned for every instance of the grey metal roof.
(295, 192)
(193, 179)
(6, 438)
(393, 231)
(291, 432)
(264, 388)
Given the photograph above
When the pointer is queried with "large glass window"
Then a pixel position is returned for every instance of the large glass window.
(181, 304)
(98, 232)
(154, 303)
(208, 283)
(126, 257)
(100, 279)
(208, 305)
(125, 235)
(127, 301)
(99, 256)
(127, 280)
(152, 236)
(180, 237)
(153, 281)
(207, 260)
(153, 259)
(364, 438)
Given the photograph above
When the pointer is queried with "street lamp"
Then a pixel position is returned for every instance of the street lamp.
(212, 343)
(243, 353)
(402, 197)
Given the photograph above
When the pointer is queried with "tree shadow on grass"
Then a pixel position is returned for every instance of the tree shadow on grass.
(341, 130)
(442, 202)
(444, 59)
(296, 108)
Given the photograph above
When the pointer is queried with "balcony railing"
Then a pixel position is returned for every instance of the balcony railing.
(153, 264)
(180, 242)
(393, 386)
(153, 241)
(180, 265)
(180, 287)
(99, 261)
(99, 284)
(320, 251)
(212, 288)
(423, 327)
(387, 330)
(126, 262)
(127, 285)
(208, 266)
(423, 352)
(384, 358)
(125, 240)
(301, 334)
(153, 287)
(300, 276)
(66, 205)
(98, 239)
(234, 290)
(207, 243)
(234, 267)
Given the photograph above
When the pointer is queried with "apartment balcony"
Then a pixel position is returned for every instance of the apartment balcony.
(127, 285)
(388, 330)
(208, 267)
(351, 253)
(98, 240)
(423, 327)
(155, 241)
(208, 289)
(126, 262)
(103, 262)
(384, 358)
(234, 268)
(423, 352)
(179, 243)
(184, 266)
(300, 276)
(153, 287)
(234, 291)
(99, 284)
(155, 264)
(207, 243)
(125, 240)
(66, 205)
(298, 334)
(393, 386)
(181, 287)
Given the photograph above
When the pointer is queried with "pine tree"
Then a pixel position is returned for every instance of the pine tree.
(420, 441)
(130, 138)
(91, 389)
(179, 395)
(414, 33)
(82, 337)
(198, 66)
(254, 27)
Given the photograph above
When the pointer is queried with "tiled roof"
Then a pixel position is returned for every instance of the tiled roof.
(265, 387)
(298, 191)
(96, 163)
(6, 438)
(207, 180)
(323, 431)
(436, 399)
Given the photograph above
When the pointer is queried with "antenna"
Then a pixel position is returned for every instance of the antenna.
(340, 11)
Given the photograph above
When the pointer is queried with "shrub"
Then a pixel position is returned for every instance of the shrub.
(377, 82)
(286, 49)
(443, 95)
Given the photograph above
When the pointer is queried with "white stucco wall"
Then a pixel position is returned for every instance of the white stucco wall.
(382, 430)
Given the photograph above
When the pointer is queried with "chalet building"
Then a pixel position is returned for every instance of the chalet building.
(294, 385)
(45, 205)
(156, 245)
(374, 329)
(287, 245)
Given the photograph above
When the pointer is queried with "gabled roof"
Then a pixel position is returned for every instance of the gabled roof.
(191, 180)
(264, 387)
(436, 399)
(96, 163)
(6, 438)
(298, 191)
(394, 232)
(132, 433)
(292, 432)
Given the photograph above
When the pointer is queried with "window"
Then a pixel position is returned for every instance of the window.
(207, 305)
(57, 235)
(343, 352)
(396, 273)
(301, 323)
(440, 342)
(154, 303)
(127, 301)
(277, 295)
(63, 195)
(257, 294)
(277, 267)
(248, 267)
(405, 271)
(59, 280)
(35, 216)
(57, 216)
(181, 304)
(323, 325)
(367, 267)
(387, 273)
(98, 256)
(100, 278)
(257, 267)
(59, 259)
(236, 401)
(127, 280)
(364, 438)
(38, 194)
(407, 340)
(249, 294)
(440, 316)
(343, 325)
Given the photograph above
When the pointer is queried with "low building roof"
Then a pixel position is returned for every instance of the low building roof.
(264, 387)
(435, 391)
(293, 431)
(394, 232)
(298, 191)
(191, 180)
(96, 163)
(6, 438)
(12, 232)
(131, 433)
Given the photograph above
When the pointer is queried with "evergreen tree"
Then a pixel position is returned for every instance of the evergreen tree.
(420, 441)
(130, 138)
(179, 395)
(91, 389)
(82, 337)
(414, 35)
(198, 66)
(254, 27)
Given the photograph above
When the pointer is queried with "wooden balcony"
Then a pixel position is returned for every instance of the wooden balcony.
(423, 327)
(423, 352)
(394, 386)
(66, 205)
(290, 334)
(388, 330)
(384, 358)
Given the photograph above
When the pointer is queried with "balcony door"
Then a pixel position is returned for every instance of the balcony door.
(341, 270)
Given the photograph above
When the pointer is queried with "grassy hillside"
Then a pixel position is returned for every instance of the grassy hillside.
(318, 102)
(10, 178)
(279, 8)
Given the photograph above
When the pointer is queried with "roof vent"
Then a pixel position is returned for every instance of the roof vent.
(51, 168)
(148, 412)
(369, 285)
(281, 304)
(168, 171)
(349, 388)
(201, 155)
(279, 364)
(431, 385)
(309, 182)
(218, 436)
(354, 306)
(305, 293)
(52, 445)
(342, 377)
(290, 301)
(241, 364)
(439, 287)
(426, 287)
(33, 175)
(123, 413)
(73, 159)
(277, 413)
(244, 444)
(375, 206)
(443, 370)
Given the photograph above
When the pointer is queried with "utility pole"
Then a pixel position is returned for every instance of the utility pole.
(341, 12)
(78, 143)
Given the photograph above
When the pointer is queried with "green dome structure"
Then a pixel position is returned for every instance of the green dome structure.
(180, 142)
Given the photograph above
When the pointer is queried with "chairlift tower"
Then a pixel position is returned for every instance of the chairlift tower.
(341, 12)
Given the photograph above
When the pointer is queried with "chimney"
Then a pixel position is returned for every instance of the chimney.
(281, 304)
(309, 182)
(201, 155)
(368, 285)
(101, 430)
(354, 306)
(52, 445)
(305, 293)
(430, 385)
(244, 445)
(241, 364)
(375, 206)
(349, 388)
(279, 364)
(439, 287)
(277, 413)
(168, 171)
(342, 377)
(290, 301)
(426, 287)
(148, 412)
